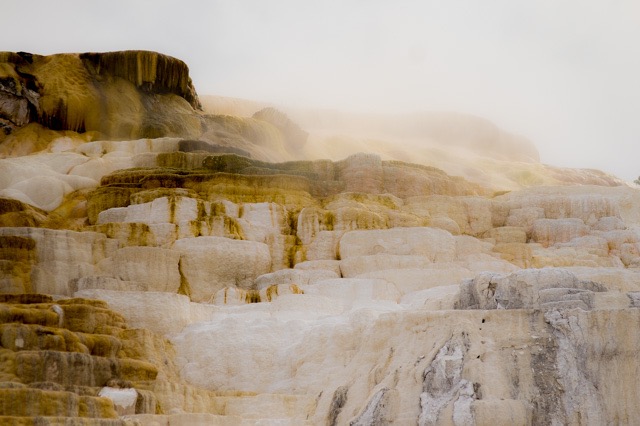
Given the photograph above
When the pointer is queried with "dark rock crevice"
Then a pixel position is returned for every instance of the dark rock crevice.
(151, 72)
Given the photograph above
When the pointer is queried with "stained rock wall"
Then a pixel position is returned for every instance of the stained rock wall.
(215, 280)
(433, 303)
(56, 103)
(72, 358)
(110, 93)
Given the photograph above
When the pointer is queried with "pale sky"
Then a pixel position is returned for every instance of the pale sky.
(564, 73)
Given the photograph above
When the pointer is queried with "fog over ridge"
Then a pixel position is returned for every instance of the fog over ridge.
(562, 74)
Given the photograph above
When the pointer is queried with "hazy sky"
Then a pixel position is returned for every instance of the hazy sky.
(565, 74)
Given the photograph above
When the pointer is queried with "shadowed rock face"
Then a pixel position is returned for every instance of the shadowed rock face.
(119, 94)
(189, 145)
(18, 94)
(150, 71)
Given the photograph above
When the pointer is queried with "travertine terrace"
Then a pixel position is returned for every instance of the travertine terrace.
(167, 260)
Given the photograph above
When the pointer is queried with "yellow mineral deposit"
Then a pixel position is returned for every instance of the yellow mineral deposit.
(163, 262)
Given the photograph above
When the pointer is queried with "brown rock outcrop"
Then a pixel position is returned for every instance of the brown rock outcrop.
(57, 356)
(119, 94)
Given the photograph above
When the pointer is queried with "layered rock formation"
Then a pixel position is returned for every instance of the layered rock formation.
(119, 94)
(74, 358)
(221, 279)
